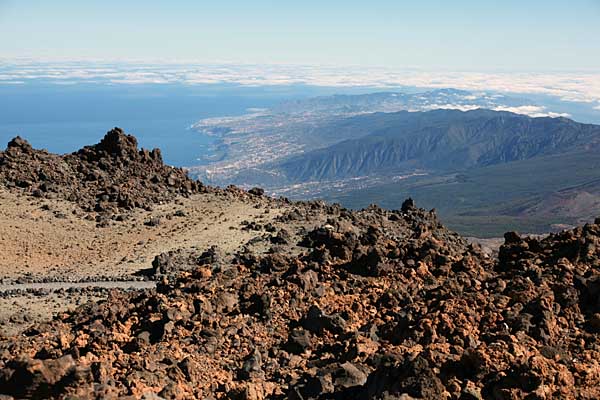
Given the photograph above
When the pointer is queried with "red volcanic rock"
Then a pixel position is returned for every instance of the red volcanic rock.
(428, 317)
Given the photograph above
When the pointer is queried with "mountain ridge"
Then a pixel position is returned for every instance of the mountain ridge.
(467, 155)
(461, 140)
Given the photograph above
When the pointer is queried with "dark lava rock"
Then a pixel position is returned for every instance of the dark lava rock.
(299, 341)
(282, 237)
(414, 378)
(252, 366)
(172, 262)
(110, 176)
(316, 321)
(256, 191)
(155, 221)
(348, 375)
(31, 378)
(408, 205)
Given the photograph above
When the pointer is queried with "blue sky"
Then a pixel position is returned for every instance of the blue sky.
(435, 35)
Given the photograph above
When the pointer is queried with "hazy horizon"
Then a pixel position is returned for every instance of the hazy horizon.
(536, 36)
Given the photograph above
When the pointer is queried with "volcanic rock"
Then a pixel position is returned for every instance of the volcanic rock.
(108, 177)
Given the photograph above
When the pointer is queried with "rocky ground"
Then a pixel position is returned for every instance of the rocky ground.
(44, 242)
(258, 298)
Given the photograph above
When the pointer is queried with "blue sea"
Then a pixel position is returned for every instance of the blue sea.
(63, 118)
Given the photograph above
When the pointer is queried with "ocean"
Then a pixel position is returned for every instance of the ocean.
(63, 118)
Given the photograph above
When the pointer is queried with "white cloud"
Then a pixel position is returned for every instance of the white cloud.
(532, 111)
(580, 87)
(461, 107)
(556, 115)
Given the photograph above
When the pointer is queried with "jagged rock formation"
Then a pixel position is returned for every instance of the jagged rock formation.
(110, 176)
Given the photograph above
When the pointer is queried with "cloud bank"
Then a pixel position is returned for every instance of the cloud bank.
(532, 111)
(576, 87)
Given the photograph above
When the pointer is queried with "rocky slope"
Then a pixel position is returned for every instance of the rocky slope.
(367, 304)
(110, 176)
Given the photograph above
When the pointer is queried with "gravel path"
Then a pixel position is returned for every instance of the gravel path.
(68, 285)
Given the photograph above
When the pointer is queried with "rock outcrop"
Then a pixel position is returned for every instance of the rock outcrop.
(108, 177)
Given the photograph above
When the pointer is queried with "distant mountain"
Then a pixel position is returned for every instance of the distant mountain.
(245, 143)
(439, 141)
(485, 171)
(485, 168)
(537, 195)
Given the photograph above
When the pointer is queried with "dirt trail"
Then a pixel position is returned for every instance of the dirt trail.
(50, 286)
